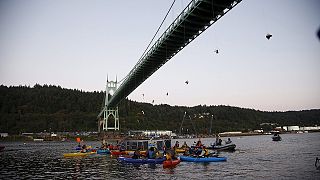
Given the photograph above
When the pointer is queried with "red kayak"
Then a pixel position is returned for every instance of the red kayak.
(170, 163)
(117, 152)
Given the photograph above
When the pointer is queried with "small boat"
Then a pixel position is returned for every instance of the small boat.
(225, 147)
(141, 160)
(276, 138)
(2, 147)
(202, 159)
(103, 151)
(77, 154)
(171, 164)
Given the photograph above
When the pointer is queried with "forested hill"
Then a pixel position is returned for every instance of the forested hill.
(52, 108)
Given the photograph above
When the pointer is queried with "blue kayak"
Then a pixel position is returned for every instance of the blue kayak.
(202, 159)
(142, 160)
(103, 151)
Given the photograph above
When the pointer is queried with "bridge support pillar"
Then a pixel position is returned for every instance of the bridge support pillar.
(111, 114)
(110, 120)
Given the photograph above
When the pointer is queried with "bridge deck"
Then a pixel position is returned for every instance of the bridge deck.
(195, 18)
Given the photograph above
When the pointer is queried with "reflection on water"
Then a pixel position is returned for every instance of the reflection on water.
(256, 157)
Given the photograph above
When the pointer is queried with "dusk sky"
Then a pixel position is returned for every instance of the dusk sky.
(77, 43)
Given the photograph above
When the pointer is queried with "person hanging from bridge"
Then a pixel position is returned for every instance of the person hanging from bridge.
(268, 36)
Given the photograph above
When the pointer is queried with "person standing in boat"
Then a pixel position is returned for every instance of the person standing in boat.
(218, 140)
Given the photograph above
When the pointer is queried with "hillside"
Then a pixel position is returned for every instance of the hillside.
(53, 108)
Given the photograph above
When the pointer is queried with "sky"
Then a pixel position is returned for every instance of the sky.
(76, 44)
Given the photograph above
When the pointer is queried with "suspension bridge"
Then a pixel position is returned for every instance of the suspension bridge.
(198, 16)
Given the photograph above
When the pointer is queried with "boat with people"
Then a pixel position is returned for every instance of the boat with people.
(276, 137)
(141, 160)
(224, 147)
(202, 159)
(218, 145)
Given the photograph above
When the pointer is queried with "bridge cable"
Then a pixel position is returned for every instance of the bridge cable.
(158, 29)
(153, 36)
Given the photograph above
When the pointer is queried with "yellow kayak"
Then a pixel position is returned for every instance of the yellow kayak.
(77, 154)
(180, 150)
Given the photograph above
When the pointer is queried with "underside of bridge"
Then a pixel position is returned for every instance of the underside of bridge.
(194, 19)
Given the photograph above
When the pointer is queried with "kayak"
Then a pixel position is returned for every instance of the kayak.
(170, 164)
(180, 150)
(141, 161)
(226, 147)
(117, 152)
(202, 159)
(103, 151)
(77, 154)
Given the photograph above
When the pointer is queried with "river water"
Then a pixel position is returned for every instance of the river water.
(256, 157)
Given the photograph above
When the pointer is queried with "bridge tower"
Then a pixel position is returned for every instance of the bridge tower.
(109, 113)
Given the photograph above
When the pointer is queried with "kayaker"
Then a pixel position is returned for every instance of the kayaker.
(199, 143)
(136, 154)
(84, 148)
(187, 151)
(185, 145)
(197, 151)
(204, 153)
(176, 145)
(151, 153)
(171, 155)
